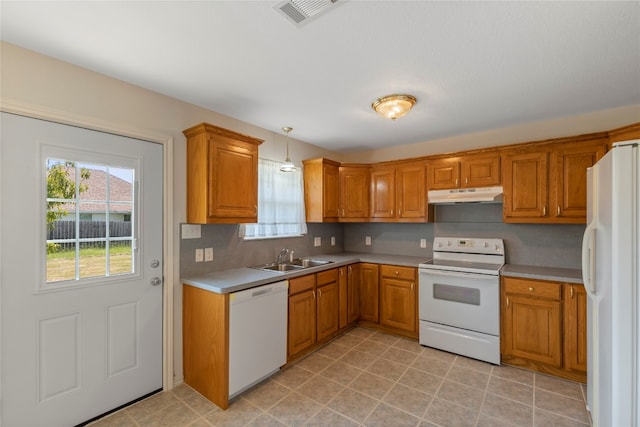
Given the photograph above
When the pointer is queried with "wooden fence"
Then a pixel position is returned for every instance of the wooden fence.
(63, 230)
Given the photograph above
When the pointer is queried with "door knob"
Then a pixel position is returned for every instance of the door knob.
(155, 281)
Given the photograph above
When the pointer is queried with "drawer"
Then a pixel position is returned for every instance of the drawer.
(300, 284)
(534, 288)
(405, 273)
(327, 276)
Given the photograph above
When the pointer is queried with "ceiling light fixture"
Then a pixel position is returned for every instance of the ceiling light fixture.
(288, 165)
(393, 106)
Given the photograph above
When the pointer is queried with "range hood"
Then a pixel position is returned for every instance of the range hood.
(465, 195)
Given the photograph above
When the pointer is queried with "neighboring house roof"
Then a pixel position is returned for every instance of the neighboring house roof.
(119, 191)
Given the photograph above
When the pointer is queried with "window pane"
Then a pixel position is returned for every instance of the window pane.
(120, 257)
(93, 259)
(93, 182)
(61, 262)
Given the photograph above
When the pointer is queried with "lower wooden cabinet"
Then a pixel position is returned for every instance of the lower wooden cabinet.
(369, 293)
(328, 304)
(544, 326)
(301, 330)
(314, 310)
(575, 328)
(398, 299)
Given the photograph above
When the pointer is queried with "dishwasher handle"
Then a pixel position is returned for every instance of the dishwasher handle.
(258, 292)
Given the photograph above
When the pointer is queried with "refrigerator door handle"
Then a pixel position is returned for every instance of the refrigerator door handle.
(588, 258)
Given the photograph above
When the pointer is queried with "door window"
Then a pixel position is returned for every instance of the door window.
(90, 225)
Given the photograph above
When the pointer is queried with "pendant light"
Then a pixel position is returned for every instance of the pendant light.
(288, 165)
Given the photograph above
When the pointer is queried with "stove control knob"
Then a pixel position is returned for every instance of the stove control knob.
(448, 242)
(486, 244)
(497, 248)
(439, 244)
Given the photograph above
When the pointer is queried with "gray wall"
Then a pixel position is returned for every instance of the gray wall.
(551, 245)
(230, 251)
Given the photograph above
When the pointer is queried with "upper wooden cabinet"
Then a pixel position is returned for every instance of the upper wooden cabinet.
(549, 184)
(354, 193)
(398, 192)
(469, 171)
(321, 190)
(222, 175)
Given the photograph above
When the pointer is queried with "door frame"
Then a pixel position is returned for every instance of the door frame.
(67, 118)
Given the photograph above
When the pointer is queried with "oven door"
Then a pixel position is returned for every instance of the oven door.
(463, 300)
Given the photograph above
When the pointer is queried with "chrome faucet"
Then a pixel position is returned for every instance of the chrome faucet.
(282, 256)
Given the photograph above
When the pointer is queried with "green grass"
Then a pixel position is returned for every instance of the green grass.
(61, 265)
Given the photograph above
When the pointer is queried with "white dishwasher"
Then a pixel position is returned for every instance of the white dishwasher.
(257, 334)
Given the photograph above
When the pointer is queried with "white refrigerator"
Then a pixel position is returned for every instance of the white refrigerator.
(610, 258)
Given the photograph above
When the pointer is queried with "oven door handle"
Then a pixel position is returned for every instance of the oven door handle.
(449, 273)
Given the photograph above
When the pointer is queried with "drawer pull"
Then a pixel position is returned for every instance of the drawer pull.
(531, 288)
(397, 272)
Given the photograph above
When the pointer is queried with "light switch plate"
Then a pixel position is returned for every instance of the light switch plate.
(208, 254)
(423, 243)
(367, 240)
(333, 240)
(199, 255)
(317, 241)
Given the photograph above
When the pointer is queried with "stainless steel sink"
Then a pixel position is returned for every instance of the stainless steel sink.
(296, 264)
(307, 262)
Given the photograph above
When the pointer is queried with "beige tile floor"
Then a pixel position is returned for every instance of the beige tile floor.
(367, 378)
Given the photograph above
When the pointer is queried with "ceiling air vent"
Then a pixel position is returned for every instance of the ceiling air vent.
(299, 12)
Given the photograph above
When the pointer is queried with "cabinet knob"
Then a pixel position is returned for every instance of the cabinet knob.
(397, 272)
(531, 288)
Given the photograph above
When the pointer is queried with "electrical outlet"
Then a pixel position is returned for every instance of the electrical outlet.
(423, 243)
(199, 255)
(367, 240)
(333, 240)
(317, 241)
(208, 254)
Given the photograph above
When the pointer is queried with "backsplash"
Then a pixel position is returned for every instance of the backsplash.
(230, 251)
(550, 245)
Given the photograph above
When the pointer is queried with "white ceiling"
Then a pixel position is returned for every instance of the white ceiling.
(473, 66)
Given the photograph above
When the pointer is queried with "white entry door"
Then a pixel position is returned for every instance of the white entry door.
(81, 271)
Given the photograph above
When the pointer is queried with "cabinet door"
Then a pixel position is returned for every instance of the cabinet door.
(570, 178)
(302, 322)
(354, 193)
(411, 192)
(353, 292)
(398, 304)
(369, 292)
(443, 174)
(328, 306)
(343, 286)
(525, 178)
(330, 191)
(575, 327)
(383, 192)
(533, 329)
(233, 179)
(480, 170)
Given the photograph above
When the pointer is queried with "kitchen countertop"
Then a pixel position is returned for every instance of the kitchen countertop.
(238, 279)
(568, 275)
